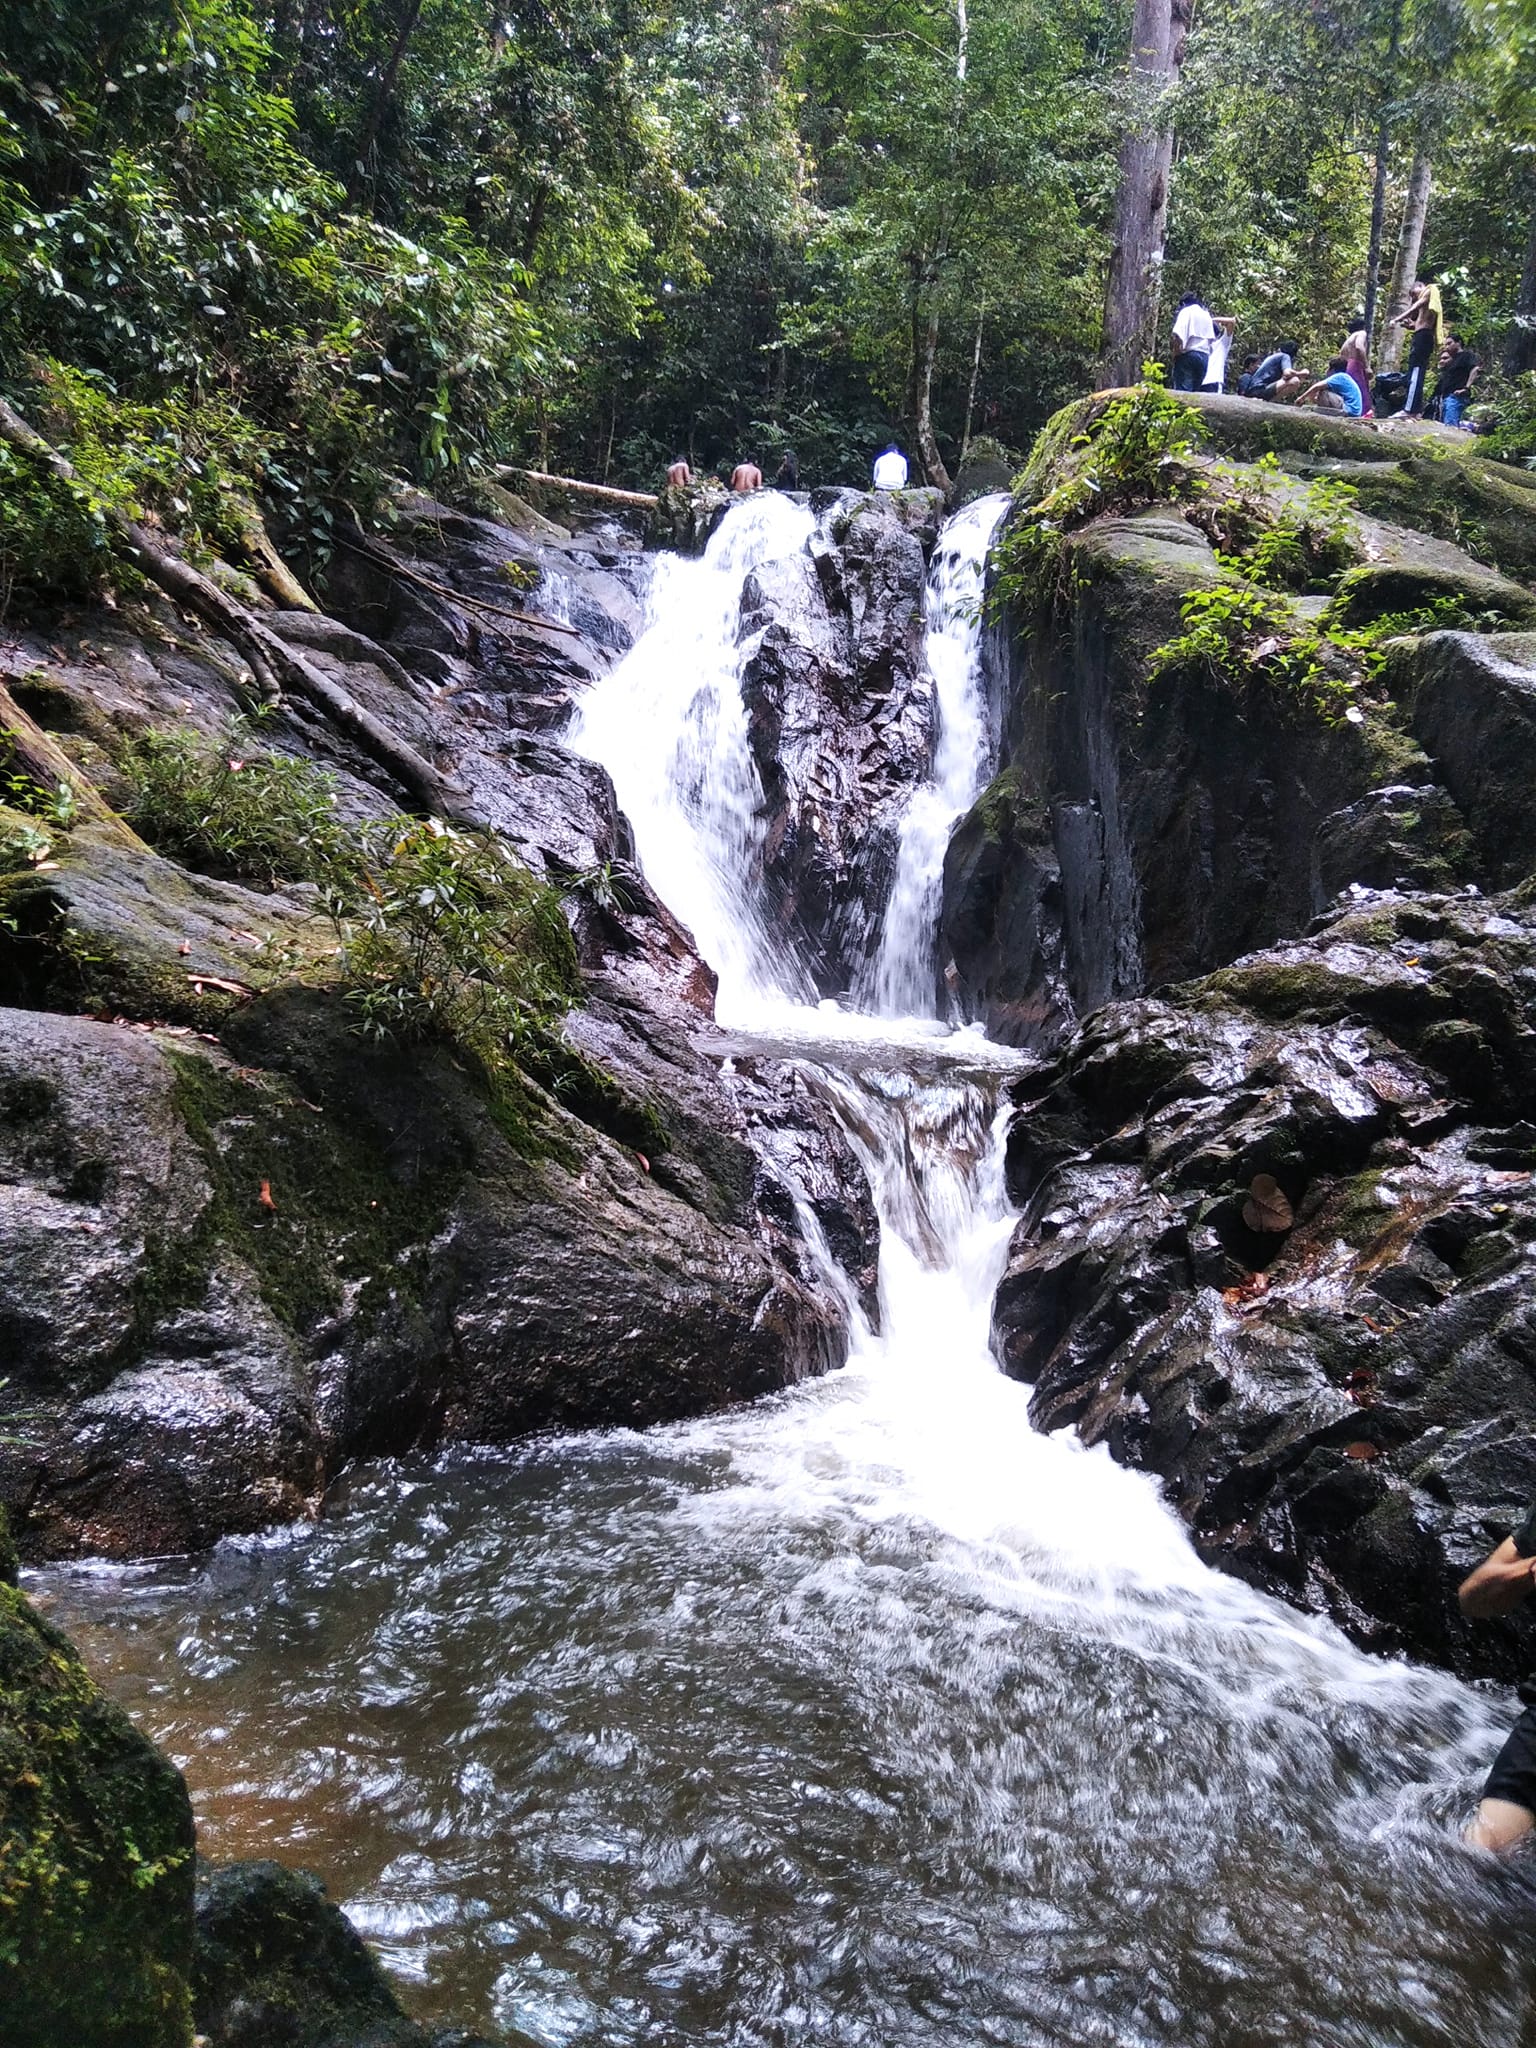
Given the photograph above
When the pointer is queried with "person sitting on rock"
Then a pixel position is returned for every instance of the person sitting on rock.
(1277, 376)
(1245, 380)
(1337, 392)
(1502, 1582)
(890, 471)
(746, 476)
(679, 475)
(1453, 387)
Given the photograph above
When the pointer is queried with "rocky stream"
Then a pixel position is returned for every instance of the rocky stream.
(927, 1508)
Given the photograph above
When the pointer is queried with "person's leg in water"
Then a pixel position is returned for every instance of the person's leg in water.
(1507, 1811)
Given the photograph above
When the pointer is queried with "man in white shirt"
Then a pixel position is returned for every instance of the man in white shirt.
(1193, 333)
(890, 469)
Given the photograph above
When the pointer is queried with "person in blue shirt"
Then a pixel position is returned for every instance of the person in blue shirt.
(1337, 392)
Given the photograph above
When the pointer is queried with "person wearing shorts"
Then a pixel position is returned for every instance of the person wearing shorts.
(1502, 1582)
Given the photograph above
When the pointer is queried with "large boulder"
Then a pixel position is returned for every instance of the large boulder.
(95, 1855)
(1278, 1246)
(840, 711)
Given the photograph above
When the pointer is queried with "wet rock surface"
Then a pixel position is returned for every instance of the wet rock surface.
(240, 1248)
(278, 1966)
(1338, 1389)
(841, 719)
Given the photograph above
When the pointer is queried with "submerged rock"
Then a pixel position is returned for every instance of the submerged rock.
(278, 1966)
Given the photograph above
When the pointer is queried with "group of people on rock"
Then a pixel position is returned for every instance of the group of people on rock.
(889, 473)
(1202, 344)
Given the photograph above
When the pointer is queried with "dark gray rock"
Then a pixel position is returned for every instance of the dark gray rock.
(1473, 702)
(1402, 837)
(841, 722)
(1343, 1409)
(278, 1966)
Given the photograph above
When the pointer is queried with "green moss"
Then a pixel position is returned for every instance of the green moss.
(588, 1091)
(308, 1197)
(95, 1858)
(1354, 1211)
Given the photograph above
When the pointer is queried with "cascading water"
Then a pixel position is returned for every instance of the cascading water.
(862, 1716)
(899, 981)
(670, 728)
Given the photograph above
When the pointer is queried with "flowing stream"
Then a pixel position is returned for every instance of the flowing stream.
(861, 1716)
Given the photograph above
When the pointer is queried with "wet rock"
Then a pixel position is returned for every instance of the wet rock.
(1342, 1407)
(1473, 700)
(840, 714)
(1402, 837)
(1001, 918)
(95, 1857)
(279, 1966)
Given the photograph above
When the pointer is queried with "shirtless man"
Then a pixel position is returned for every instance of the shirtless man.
(746, 476)
(1502, 1582)
(1422, 319)
(679, 475)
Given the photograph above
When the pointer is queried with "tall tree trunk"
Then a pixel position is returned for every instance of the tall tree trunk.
(1379, 189)
(1520, 347)
(1158, 35)
(927, 447)
(970, 396)
(1405, 269)
(385, 93)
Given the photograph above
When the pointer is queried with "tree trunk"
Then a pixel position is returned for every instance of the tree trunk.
(1379, 191)
(273, 664)
(1520, 348)
(385, 93)
(927, 447)
(1405, 269)
(970, 396)
(1131, 295)
(38, 754)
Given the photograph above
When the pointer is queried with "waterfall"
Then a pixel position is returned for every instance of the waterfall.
(860, 1714)
(669, 726)
(899, 980)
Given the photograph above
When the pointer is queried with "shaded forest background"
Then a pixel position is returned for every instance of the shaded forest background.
(280, 256)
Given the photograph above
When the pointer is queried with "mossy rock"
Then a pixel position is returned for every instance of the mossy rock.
(96, 1858)
(107, 927)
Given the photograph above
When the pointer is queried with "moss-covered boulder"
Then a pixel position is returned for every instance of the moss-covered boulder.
(96, 1866)
(278, 1966)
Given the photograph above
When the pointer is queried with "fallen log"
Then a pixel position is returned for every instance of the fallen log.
(273, 664)
(608, 494)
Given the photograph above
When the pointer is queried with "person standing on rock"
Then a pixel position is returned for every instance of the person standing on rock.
(746, 477)
(1194, 336)
(1502, 1582)
(679, 475)
(890, 471)
(1423, 318)
(788, 478)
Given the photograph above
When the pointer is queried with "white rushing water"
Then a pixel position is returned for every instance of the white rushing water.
(862, 1717)
(899, 981)
(669, 726)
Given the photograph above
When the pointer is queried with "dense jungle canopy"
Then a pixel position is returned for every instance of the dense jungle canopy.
(285, 253)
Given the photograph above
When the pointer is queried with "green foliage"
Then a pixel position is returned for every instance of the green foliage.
(56, 803)
(1304, 546)
(1137, 450)
(1512, 434)
(228, 805)
(445, 936)
(1243, 640)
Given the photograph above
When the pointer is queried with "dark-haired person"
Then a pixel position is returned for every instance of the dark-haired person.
(1225, 325)
(679, 475)
(1502, 1582)
(890, 470)
(1453, 386)
(788, 478)
(1245, 378)
(1194, 331)
(1277, 376)
(746, 477)
(1422, 318)
(1337, 392)
(1357, 355)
